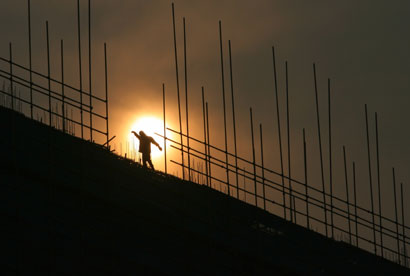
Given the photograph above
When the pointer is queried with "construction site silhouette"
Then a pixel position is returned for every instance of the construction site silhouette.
(71, 204)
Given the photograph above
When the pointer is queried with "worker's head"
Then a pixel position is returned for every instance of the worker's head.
(142, 133)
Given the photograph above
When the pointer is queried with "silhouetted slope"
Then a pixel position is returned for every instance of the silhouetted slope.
(70, 207)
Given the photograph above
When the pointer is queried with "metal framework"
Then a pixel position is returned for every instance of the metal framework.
(28, 94)
(295, 200)
(53, 103)
(359, 220)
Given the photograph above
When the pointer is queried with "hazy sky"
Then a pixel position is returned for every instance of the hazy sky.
(362, 46)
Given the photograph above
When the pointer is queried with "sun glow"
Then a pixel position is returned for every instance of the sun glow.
(150, 125)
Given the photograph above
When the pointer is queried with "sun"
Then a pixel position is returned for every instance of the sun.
(150, 125)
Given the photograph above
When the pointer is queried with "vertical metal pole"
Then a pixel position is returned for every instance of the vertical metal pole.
(62, 85)
(50, 112)
(80, 68)
(30, 58)
(347, 195)
(65, 120)
(330, 161)
(89, 69)
(72, 124)
(370, 179)
(165, 128)
(396, 216)
(186, 102)
(378, 185)
(234, 121)
(355, 204)
(11, 75)
(403, 225)
(288, 136)
(3, 97)
(279, 132)
(179, 101)
(320, 149)
(263, 168)
(21, 104)
(57, 117)
(205, 138)
(224, 105)
(253, 158)
(306, 180)
(106, 93)
(209, 149)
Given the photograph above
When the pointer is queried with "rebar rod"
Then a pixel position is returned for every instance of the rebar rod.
(11, 74)
(223, 101)
(253, 156)
(320, 150)
(89, 69)
(370, 178)
(205, 137)
(263, 167)
(80, 67)
(288, 137)
(396, 216)
(330, 160)
(186, 100)
(62, 85)
(279, 130)
(178, 95)
(48, 72)
(403, 229)
(233, 118)
(347, 194)
(106, 92)
(306, 180)
(378, 185)
(165, 128)
(209, 142)
(30, 57)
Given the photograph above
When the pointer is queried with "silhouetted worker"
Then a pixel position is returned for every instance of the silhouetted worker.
(145, 147)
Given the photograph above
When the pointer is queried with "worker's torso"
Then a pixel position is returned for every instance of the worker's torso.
(145, 145)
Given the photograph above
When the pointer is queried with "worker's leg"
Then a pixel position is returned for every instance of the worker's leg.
(144, 160)
(150, 163)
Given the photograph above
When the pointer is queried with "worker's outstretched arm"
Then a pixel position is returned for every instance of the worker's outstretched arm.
(136, 135)
(155, 143)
